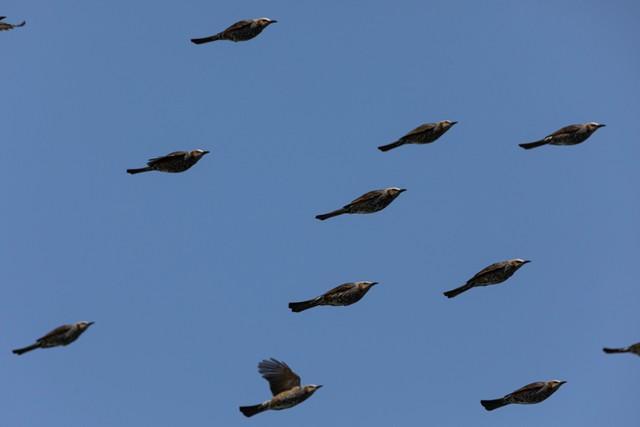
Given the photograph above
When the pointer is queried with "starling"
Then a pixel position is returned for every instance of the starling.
(373, 201)
(5, 26)
(635, 349)
(178, 161)
(345, 294)
(423, 134)
(532, 393)
(285, 387)
(240, 31)
(492, 275)
(63, 335)
(568, 135)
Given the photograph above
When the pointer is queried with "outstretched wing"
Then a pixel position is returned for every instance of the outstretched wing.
(364, 198)
(279, 375)
(60, 330)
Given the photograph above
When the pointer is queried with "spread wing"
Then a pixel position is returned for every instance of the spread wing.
(339, 289)
(279, 375)
(566, 130)
(531, 388)
(168, 158)
(57, 331)
(365, 197)
(239, 25)
(427, 127)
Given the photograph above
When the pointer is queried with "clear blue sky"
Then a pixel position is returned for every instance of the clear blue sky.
(188, 276)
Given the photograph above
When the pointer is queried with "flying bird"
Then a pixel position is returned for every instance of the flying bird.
(634, 349)
(568, 135)
(63, 335)
(345, 294)
(239, 32)
(531, 393)
(373, 201)
(491, 275)
(423, 134)
(285, 388)
(178, 161)
(5, 26)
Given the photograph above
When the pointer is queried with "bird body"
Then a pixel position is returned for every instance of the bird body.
(371, 202)
(5, 26)
(178, 161)
(568, 135)
(423, 134)
(529, 394)
(343, 295)
(633, 349)
(61, 336)
(240, 31)
(285, 388)
(491, 275)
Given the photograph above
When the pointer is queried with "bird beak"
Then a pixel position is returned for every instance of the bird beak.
(526, 261)
(562, 382)
(453, 123)
(373, 284)
(90, 323)
(205, 152)
(402, 190)
(273, 21)
(600, 125)
(318, 386)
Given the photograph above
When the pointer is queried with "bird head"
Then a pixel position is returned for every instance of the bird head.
(554, 384)
(594, 126)
(199, 153)
(84, 325)
(366, 284)
(311, 388)
(265, 22)
(395, 191)
(448, 123)
(519, 262)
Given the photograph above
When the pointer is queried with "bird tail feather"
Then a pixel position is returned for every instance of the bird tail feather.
(297, 307)
(490, 405)
(615, 350)
(391, 146)
(206, 39)
(322, 217)
(530, 145)
(250, 411)
(457, 291)
(135, 171)
(27, 349)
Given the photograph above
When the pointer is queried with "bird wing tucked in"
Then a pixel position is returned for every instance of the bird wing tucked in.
(60, 330)
(566, 130)
(531, 388)
(419, 130)
(488, 270)
(239, 25)
(340, 289)
(168, 158)
(279, 375)
(371, 195)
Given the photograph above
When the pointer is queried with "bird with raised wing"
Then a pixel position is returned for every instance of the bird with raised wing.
(491, 275)
(61, 336)
(178, 161)
(343, 295)
(371, 202)
(285, 388)
(529, 394)
(239, 32)
(5, 26)
(423, 134)
(568, 135)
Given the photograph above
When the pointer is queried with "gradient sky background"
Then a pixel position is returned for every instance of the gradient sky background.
(188, 276)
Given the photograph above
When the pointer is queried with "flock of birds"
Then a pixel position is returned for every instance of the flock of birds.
(284, 383)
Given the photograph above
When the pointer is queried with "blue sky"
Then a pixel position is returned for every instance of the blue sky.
(188, 276)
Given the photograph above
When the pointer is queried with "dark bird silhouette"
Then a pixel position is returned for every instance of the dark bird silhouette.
(373, 201)
(568, 135)
(492, 275)
(531, 393)
(240, 31)
(5, 26)
(285, 388)
(178, 161)
(63, 335)
(345, 294)
(423, 134)
(634, 349)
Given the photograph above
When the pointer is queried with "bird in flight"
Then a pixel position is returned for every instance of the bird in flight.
(423, 134)
(178, 161)
(61, 336)
(345, 294)
(239, 32)
(568, 135)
